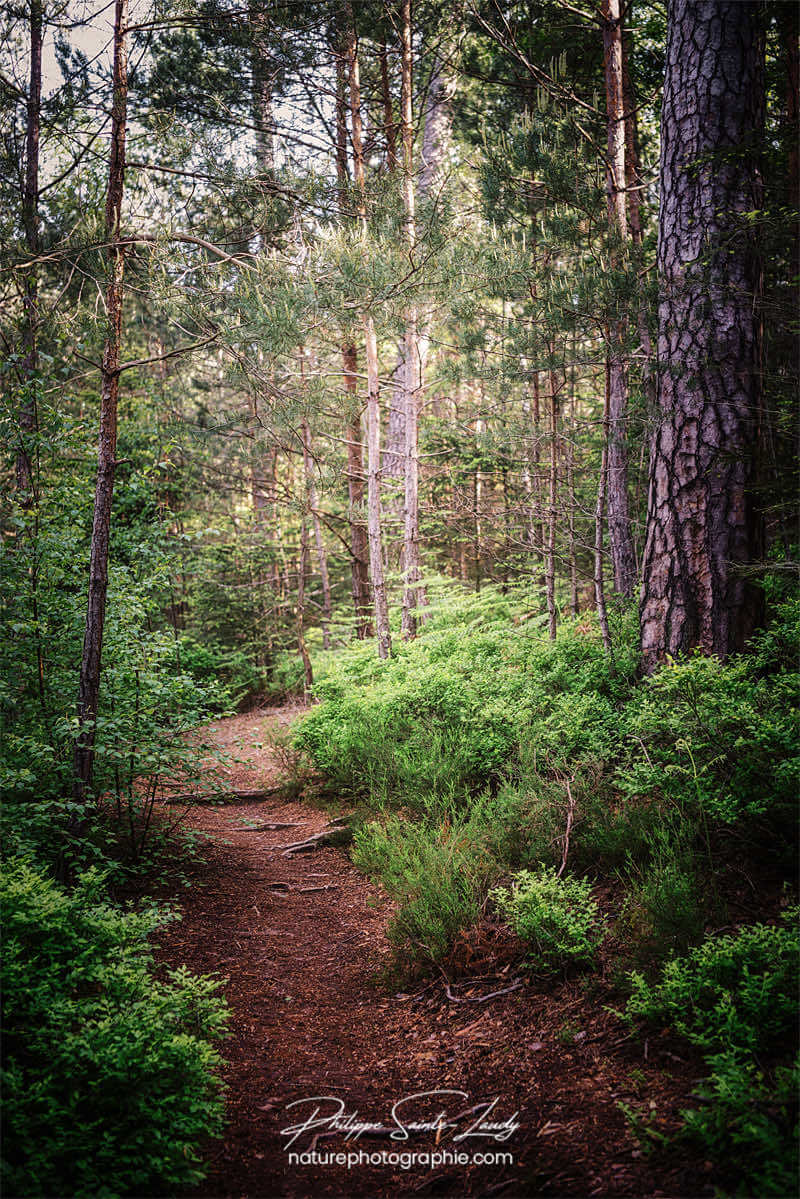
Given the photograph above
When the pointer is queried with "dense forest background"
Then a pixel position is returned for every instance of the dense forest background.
(440, 365)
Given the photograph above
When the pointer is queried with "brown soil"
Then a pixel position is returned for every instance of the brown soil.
(301, 941)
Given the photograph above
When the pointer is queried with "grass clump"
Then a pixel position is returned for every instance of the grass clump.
(109, 1073)
(556, 917)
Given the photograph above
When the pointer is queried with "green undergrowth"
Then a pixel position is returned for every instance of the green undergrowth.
(734, 998)
(470, 753)
(109, 1073)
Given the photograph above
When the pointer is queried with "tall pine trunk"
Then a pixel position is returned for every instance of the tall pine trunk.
(411, 350)
(702, 527)
(374, 536)
(619, 522)
(89, 684)
(28, 419)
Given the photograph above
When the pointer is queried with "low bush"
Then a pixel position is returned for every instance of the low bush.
(735, 998)
(737, 991)
(557, 917)
(437, 873)
(109, 1072)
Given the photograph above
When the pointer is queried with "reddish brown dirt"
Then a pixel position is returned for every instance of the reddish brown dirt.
(301, 941)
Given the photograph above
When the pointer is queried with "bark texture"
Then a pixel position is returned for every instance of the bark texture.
(89, 684)
(702, 530)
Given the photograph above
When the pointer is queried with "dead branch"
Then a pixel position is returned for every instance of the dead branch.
(515, 986)
(194, 797)
(570, 819)
(336, 833)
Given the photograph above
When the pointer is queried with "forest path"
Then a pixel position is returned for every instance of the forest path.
(301, 941)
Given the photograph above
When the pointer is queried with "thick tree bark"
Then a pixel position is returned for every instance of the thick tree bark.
(619, 523)
(702, 529)
(89, 684)
(28, 419)
(374, 536)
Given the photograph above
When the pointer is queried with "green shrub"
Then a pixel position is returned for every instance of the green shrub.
(716, 737)
(438, 875)
(557, 916)
(109, 1073)
(735, 998)
(748, 1123)
(737, 991)
(481, 694)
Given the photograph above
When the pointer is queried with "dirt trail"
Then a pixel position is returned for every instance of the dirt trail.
(302, 942)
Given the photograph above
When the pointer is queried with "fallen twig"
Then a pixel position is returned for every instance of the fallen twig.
(248, 828)
(515, 986)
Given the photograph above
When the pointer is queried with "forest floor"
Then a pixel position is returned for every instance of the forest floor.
(301, 941)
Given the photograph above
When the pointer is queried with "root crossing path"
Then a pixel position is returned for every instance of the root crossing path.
(389, 1091)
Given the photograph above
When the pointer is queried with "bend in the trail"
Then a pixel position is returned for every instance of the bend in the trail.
(301, 941)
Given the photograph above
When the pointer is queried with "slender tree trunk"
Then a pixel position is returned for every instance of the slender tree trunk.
(258, 491)
(550, 565)
(28, 417)
(373, 382)
(619, 523)
(322, 557)
(360, 586)
(89, 684)
(411, 380)
(362, 600)
(478, 502)
(388, 112)
(303, 567)
(599, 520)
(702, 527)
(633, 181)
(436, 141)
(261, 89)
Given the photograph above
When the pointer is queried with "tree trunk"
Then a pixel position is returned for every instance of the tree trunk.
(388, 114)
(359, 568)
(89, 685)
(619, 523)
(550, 564)
(322, 557)
(702, 529)
(478, 504)
(28, 418)
(436, 140)
(362, 600)
(308, 676)
(599, 512)
(411, 355)
(373, 382)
